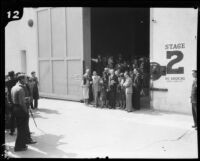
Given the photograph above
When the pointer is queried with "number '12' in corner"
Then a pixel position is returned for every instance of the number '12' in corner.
(14, 14)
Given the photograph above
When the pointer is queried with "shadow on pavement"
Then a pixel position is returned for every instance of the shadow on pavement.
(37, 115)
(46, 147)
(147, 111)
(153, 112)
(48, 111)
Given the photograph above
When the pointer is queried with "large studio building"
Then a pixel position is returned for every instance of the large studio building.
(61, 41)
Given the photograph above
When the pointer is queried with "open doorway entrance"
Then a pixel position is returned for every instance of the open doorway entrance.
(125, 32)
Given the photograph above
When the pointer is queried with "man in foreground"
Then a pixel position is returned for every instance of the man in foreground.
(20, 112)
(9, 84)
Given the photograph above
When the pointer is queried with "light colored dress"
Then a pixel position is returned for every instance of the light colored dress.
(129, 90)
(85, 86)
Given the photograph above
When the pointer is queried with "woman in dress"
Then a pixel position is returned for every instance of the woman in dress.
(85, 86)
(96, 88)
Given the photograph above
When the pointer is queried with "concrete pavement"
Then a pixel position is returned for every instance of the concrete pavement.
(72, 130)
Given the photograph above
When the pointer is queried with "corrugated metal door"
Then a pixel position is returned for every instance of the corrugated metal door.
(60, 52)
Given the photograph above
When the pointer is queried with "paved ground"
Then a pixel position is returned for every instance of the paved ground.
(72, 130)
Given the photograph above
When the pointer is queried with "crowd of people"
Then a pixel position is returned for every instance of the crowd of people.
(21, 95)
(116, 83)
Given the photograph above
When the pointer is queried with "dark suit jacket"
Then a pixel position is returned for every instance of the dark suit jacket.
(114, 85)
(194, 92)
(9, 84)
(137, 82)
(105, 77)
(35, 88)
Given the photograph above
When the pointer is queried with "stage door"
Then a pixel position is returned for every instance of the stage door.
(61, 52)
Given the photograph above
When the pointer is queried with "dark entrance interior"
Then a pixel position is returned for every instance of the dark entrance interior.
(122, 31)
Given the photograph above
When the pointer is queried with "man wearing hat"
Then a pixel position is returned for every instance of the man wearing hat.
(35, 91)
(9, 84)
(121, 90)
(28, 96)
(136, 89)
(194, 98)
(21, 112)
(112, 86)
(105, 78)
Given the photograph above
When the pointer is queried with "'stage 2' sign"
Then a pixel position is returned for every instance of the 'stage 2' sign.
(172, 50)
(179, 54)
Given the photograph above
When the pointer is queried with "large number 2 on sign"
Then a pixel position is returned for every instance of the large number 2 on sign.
(179, 57)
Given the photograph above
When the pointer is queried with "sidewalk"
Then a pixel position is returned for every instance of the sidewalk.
(72, 130)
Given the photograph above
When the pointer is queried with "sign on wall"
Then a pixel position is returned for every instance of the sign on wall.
(177, 51)
(174, 54)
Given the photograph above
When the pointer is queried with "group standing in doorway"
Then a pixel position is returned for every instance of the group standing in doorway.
(116, 83)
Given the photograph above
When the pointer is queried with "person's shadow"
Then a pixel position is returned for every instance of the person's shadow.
(46, 147)
(48, 111)
(37, 115)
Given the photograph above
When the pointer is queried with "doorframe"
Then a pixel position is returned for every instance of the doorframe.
(151, 23)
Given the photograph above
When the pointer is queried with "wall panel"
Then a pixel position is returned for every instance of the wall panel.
(60, 46)
(59, 78)
(45, 77)
(58, 32)
(44, 33)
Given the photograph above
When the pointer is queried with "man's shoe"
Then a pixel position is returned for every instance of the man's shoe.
(21, 149)
(31, 142)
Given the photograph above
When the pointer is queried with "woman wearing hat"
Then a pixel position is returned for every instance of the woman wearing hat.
(96, 88)
(86, 85)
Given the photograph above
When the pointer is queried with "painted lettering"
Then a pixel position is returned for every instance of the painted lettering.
(174, 46)
(170, 70)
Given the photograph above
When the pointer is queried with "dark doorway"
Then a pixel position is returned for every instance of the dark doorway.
(122, 31)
